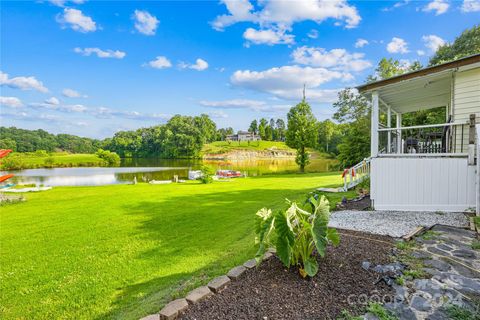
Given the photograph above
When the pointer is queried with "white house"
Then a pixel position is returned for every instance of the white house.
(243, 136)
(428, 167)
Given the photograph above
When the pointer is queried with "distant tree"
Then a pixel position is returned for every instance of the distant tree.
(268, 133)
(301, 132)
(8, 143)
(253, 127)
(206, 126)
(280, 124)
(326, 131)
(466, 44)
(223, 133)
(261, 128)
(388, 68)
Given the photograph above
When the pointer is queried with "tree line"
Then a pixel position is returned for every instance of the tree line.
(273, 130)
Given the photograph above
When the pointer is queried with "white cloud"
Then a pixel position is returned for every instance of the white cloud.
(160, 62)
(437, 6)
(397, 45)
(360, 43)
(199, 65)
(70, 93)
(287, 82)
(433, 42)
(397, 5)
(420, 52)
(23, 83)
(268, 36)
(471, 5)
(218, 114)
(282, 14)
(61, 3)
(101, 53)
(76, 20)
(11, 102)
(313, 34)
(77, 108)
(337, 59)
(145, 23)
(52, 101)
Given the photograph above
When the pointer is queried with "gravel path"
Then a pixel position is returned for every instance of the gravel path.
(394, 223)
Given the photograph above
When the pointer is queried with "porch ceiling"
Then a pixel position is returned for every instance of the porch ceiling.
(418, 93)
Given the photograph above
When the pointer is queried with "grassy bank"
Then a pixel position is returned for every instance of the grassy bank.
(122, 251)
(31, 160)
(219, 147)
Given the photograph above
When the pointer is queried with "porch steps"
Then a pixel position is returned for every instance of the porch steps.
(355, 175)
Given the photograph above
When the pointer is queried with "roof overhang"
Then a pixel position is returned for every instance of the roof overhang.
(419, 90)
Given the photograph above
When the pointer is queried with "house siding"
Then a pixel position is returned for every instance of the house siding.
(467, 95)
(422, 184)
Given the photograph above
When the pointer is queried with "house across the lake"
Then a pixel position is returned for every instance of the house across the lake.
(243, 136)
(425, 167)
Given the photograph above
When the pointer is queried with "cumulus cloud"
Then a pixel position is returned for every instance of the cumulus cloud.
(52, 101)
(268, 36)
(285, 13)
(420, 52)
(117, 54)
(199, 65)
(397, 45)
(160, 62)
(76, 20)
(11, 102)
(437, 6)
(337, 59)
(254, 105)
(145, 23)
(360, 43)
(61, 3)
(471, 6)
(218, 114)
(22, 83)
(287, 82)
(433, 42)
(70, 93)
(48, 105)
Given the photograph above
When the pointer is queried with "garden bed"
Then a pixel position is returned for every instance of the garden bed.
(273, 292)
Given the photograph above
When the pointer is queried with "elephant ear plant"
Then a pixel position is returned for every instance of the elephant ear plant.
(296, 233)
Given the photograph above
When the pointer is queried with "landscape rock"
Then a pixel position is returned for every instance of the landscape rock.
(218, 283)
(198, 294)
(437, 264)
(366, 265)
(172, 309)
(421, 304)
(155, 316)
(252, 263)
(236, 272)
(464, 253)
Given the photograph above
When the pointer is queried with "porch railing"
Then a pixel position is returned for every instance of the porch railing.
(435, 139)
(356, 174)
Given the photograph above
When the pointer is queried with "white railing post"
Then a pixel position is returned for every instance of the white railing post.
(471, 140)
(374, 125)
(389, 133)
(478, 170)
(399, 133)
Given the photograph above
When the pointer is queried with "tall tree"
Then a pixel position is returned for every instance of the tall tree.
(261, 128)
(280, 124)
(301, 132)
(466, 44)
(253, 127)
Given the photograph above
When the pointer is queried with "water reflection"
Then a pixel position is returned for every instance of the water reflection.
(157, 169)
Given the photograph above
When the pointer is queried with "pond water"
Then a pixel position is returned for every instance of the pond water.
(156, 169)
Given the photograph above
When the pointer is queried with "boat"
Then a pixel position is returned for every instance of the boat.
(228, 174)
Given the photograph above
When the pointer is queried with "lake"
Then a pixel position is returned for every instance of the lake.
(157, 169)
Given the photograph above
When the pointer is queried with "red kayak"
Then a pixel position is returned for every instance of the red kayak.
(4, 152)
(6, 177)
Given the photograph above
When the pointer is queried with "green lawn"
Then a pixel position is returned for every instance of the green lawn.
(123, 251)
(60, 159)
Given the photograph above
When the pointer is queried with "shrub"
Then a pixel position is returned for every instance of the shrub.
(206, 175)
(49, 162)
(12, 163)
(296, 233)
(110, 158)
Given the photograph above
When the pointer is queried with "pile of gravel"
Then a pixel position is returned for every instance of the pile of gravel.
(394, 223)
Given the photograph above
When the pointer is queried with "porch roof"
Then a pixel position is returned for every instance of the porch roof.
(418, 90)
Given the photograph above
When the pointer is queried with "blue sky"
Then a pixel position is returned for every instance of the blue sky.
(92, 68)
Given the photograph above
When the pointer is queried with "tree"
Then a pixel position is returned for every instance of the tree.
(301, 133)
(468, 43)
(261, 128)
(280, 124)
(326, 130)
(253, 127)
(388, 68)
(206, 126)
(268, 133)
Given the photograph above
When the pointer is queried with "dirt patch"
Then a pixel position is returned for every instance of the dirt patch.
(361, 203)
(273, 292)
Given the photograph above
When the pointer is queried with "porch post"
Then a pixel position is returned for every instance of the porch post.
(399, 133)
(471, 140)
(389, 125)
(374, 128)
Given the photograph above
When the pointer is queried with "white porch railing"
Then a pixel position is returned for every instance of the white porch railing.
(435, 139)
(356, 174)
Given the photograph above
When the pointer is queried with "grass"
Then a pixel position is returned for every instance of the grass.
(123, 251)
(218, 147)
(415, 265)
(380, 312)
(31, 160)
(455, 312)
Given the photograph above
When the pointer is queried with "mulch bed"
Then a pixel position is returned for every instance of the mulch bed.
(273, 292)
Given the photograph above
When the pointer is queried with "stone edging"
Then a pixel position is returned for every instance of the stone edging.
(174, 308)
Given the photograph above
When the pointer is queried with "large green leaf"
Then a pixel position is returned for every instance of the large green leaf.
(285, 237)
(311, 266)
(333, 236)
(264, 229)
(319, 228)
